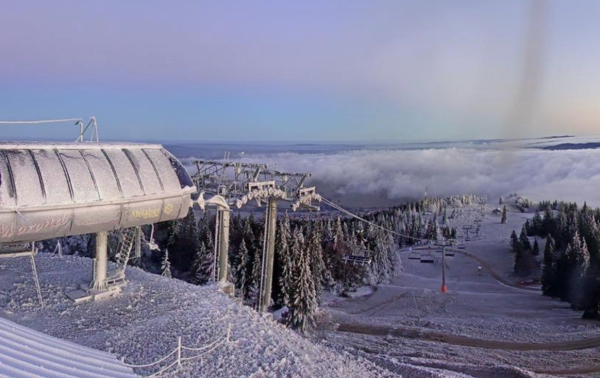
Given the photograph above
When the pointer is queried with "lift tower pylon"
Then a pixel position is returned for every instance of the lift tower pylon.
(236, 184)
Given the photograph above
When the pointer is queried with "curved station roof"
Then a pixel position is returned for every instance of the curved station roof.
(57, 189)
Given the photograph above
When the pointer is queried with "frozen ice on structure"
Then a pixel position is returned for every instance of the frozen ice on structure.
(25, 353)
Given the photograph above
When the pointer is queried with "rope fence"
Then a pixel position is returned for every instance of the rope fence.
(179, 357)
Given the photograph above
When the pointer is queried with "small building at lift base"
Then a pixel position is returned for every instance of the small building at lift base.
(50, 190)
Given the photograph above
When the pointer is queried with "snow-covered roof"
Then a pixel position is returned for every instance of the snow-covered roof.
(28, 353)
(54, 190)
(35, 174)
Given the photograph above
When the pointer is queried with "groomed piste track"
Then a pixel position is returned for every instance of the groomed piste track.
(472, 342)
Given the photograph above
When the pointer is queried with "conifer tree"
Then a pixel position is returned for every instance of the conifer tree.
(548, 271)
(524, 239)
(315, 254)
(172, 229)
(203, 265)
(536, 248)
(255, 277)
(304, 299)
(286, 277)
(537, 223)
(547, 222)
(248, 233)
(241, 270)
(166, 265)
(514, 242)
(503, 220)
(338, 234)
(578, 259)
(381, 269)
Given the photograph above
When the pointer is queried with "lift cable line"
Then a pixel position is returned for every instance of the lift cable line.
(444, 289)
(41, 121)
(351, 214)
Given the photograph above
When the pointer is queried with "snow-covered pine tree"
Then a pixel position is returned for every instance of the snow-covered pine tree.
(241, 270)
(315, 253)
(304, 299)
(503, 220)
(78, 245)
(380, 266)
(172, 229)
(203, 266)
(255, 275)
(578, 255)
(524, 239)
(248, 234)
(548, 271)
(338, 234)
(536, 223)
(524, 262)
(394, 259)
(286, 261)
(166, 265)
(579, 260)
(515, 243)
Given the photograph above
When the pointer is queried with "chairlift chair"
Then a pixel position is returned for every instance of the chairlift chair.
(427, 259)
(414, 256)
(356, 260)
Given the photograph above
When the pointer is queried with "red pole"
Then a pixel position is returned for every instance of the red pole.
(444, 289)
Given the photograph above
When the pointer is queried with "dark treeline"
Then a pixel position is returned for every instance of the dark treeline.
(571, 257)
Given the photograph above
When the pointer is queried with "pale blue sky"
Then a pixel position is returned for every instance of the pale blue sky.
(310, 71)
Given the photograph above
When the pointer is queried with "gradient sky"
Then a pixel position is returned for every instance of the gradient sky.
(306, 71)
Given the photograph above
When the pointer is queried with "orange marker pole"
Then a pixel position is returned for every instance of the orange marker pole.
(444, 289)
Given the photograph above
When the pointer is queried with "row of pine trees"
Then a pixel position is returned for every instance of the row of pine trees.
(571, 257)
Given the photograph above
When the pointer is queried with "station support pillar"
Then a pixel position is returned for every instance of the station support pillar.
(223, 244)
(267, 279)
(100, 261)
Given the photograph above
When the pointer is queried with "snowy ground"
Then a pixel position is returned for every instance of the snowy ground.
(404, 328)
(410, 321)
(143, 324)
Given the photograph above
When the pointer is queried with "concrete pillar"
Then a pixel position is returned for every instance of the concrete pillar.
(271, 227)
(138, 242)
(223, 243)
(100, 261)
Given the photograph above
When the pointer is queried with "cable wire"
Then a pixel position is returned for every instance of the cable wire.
(347, 212)
(41, 121)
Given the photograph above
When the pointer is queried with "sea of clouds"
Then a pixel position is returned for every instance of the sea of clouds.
(385, 177)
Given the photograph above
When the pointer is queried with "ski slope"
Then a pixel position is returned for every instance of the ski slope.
(25, 353)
